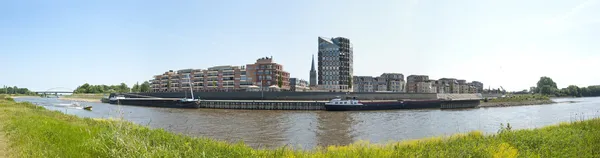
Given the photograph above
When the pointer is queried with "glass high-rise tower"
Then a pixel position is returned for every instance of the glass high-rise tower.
(335, 64)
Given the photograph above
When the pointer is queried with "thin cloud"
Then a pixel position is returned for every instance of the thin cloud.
(574, 11)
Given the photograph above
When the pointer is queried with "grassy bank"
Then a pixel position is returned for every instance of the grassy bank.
(517, 100)
(36, 132)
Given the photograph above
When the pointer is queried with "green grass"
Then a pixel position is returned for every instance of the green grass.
(36, 132)
(86, 96)
(521, 98)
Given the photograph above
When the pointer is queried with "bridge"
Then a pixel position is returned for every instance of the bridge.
(54, 91)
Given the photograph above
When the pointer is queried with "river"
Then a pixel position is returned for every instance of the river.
(307, 129)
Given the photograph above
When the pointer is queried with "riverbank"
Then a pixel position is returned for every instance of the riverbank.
(517, 100)
(36, 132)
(96, 98)
(81, 100)
(515, 103)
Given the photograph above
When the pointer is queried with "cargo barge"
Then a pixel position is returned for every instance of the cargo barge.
(157, 102)
(353, 104)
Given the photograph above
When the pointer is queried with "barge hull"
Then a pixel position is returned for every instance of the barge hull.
(156, 103)
(428, 104)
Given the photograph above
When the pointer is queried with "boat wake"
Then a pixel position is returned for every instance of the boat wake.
(74, 105)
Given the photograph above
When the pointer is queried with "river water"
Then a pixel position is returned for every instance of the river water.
(307, 129)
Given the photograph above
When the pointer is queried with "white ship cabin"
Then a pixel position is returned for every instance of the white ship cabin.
(346, 101)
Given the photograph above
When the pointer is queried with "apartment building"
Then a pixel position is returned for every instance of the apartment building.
(385, 82)
(478, 86)
(463, 86)
(163, 82)
(454, 87)
(267, 73)
(424, 87)
(363, 84)
(298, 85)
(395, 81)
(218, 78)
(416, 83)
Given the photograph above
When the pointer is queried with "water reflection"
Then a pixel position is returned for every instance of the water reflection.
(307, 129)
(334, 128)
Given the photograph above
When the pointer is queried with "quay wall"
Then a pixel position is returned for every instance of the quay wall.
(260, 105)
(313, 96)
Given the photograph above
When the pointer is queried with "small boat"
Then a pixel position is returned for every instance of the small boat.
(87, 108)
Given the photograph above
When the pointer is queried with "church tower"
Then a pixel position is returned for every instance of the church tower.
(313, 73)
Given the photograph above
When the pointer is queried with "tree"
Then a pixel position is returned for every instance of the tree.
(349, 82)
(145, 87)
(136, 87)
(123, 88)
(546, 81)
(546, 85)
(584, 91)
(573, 90)
(594, 90)
(280, 80)
(533, 90)
(9, 90)
(548, 89)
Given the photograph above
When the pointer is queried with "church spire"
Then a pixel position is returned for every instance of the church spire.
(313, 73)
(312, 68)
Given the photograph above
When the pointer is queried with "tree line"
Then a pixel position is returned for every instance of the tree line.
(15, 90)
(547, 86)
(121, 88)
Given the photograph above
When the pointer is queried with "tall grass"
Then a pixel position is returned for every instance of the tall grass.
(36, 132)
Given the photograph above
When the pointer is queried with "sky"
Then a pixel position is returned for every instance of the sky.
(61, 44)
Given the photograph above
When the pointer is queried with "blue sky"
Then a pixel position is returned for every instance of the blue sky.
(509, 43)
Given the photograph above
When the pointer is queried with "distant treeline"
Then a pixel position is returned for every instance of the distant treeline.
(547, 86)
(122, 88)
(15, 90)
